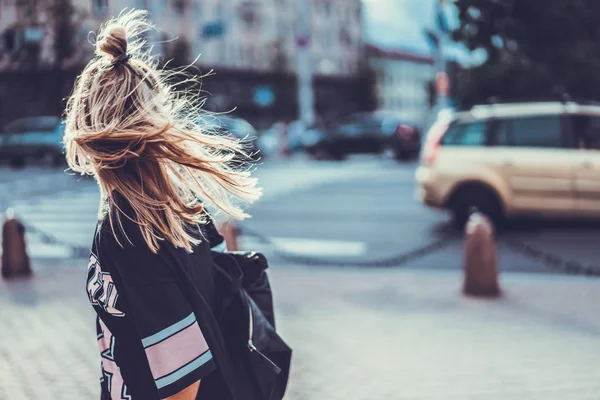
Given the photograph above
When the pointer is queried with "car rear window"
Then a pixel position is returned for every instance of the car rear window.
(466, 134)
(537, 131)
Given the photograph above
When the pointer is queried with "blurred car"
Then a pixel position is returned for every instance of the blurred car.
(241, 129)
(268, 143)
(37, 138)
(371, 133)
(539, 159)
(295, 131)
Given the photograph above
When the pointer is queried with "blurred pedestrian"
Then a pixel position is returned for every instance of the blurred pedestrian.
(152, 247)
(282, 132)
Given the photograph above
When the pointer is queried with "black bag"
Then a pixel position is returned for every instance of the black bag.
(247, 320)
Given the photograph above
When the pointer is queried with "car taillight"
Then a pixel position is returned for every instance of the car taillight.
(432, 143)
(405, 131)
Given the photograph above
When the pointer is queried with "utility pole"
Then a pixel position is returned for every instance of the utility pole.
(304, 59)
(441, 77)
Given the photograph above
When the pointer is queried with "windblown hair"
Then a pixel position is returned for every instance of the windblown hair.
(129, 128)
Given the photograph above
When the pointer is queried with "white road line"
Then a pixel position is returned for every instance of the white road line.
(37, 249)
(310, 247)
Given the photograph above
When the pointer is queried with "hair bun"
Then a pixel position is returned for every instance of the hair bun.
(113, 43)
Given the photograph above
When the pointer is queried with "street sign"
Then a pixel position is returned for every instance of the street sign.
(213, 29)
(264, 96)
(33, 35)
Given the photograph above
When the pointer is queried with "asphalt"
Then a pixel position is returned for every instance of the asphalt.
(394, 334)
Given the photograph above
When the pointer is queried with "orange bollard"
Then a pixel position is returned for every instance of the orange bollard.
(15, 261)
(230, 233)
(480, 264)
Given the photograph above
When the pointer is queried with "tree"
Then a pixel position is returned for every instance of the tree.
(535, 48)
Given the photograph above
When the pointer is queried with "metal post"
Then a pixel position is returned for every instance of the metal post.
(304, 60)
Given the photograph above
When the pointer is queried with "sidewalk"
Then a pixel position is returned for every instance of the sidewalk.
(357, 335)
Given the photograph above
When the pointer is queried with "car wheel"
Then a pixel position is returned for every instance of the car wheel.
(475, 197)
(402, 155)
(319, 154)
(337, 156)
(322, 154)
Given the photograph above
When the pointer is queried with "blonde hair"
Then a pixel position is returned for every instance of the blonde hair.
(128, 127)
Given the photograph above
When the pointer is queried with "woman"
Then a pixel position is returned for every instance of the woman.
(156, 171)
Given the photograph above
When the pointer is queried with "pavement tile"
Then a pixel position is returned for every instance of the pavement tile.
(357, 334)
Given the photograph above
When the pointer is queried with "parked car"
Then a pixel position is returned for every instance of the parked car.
(37, 138)
(509, 160)
(372, 133)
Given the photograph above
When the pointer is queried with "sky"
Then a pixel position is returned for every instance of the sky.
(399, 24)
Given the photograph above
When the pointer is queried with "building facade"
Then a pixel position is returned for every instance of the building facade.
(402, 82)
(251, 44)
(257, 35)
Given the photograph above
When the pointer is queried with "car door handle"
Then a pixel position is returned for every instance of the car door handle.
(588, 165)
(508, 164)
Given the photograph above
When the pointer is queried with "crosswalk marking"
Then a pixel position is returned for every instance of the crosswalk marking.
(321, 248)
(69, 214)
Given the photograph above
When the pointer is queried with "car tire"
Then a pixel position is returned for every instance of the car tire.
(478, 197)
(337, 156)
(403, 155)
(319, 154)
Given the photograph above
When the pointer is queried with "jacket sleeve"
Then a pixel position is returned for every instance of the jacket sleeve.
(216, 240)
(175, 347)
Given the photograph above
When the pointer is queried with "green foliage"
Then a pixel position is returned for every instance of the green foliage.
(535, 48)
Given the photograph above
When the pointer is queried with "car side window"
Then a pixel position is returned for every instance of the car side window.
(466, 134)
(389, 125)
(542, 131)
(351, 129)
(503, 133)
(586, 132)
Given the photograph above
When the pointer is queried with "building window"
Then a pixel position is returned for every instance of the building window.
(99, 7)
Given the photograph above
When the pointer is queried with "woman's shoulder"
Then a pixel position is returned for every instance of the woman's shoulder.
(117, 226)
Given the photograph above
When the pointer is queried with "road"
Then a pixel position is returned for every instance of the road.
(360, 210)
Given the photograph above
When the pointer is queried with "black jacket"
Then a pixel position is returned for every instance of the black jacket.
(253, 362)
